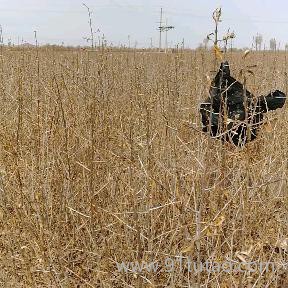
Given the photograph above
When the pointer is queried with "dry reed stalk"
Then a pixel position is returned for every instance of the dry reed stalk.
(78, 199)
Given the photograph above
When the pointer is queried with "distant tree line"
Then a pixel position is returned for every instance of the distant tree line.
(258, 44)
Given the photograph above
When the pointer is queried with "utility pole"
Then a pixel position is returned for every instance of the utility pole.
(160, 29)
(163, 28)
(166, 41)
(166, 28)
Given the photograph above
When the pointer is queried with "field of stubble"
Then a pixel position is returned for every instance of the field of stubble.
(102, 160)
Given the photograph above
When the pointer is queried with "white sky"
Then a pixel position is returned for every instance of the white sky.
(66, 20)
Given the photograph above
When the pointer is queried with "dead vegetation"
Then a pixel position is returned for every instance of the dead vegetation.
(102, 161)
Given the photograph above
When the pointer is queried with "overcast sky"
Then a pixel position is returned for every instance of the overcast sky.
(66, 21)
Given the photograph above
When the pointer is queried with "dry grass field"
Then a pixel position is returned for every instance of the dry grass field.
(103, 161)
